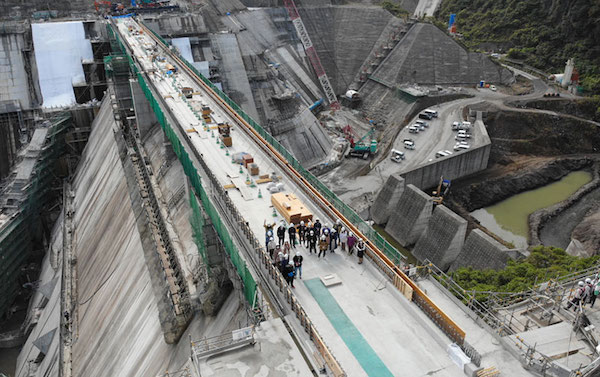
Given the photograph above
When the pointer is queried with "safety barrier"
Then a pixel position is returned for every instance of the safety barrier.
(383, 253)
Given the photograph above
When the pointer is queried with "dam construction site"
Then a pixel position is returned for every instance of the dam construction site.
(193, 188)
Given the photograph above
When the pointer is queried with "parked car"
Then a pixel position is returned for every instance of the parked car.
(397, 156)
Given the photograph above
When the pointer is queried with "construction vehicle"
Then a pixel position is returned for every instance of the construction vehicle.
(361, 148)
(441, 192)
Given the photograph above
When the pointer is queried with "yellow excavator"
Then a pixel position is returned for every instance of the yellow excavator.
(441, 192)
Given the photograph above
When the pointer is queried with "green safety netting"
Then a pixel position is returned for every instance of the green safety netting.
(194, 177)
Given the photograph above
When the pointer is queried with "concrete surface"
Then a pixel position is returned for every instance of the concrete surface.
(492, 352)
(426, 8)
(428, 56)
(410, 217)
(481, 251)
(13, 77)
(443, 239)
(387, 199)
(274, 355)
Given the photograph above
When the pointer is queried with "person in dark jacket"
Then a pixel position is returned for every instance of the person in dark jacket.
(360, 251)
(288, 273)
(301, 230)
(317, 227)
(312, 242)
(298, 258)
(292, 234)
(281, 233)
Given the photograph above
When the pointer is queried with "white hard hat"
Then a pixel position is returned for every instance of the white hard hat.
(291, 226)
(588, 280)
(280, 254)
(326, 225)
(326, 231)
(301, 222)
(297, 253)
(343, 229)
(312, 232)
(316, 220)
(269, 233)
(323, 238)
(338, 221)
(581, 284)
(271, 239)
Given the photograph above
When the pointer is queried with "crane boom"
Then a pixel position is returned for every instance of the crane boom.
(311, 52)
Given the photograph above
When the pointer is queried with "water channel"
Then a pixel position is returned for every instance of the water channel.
(508, 218)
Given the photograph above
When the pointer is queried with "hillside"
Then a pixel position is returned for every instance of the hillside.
(544, 33)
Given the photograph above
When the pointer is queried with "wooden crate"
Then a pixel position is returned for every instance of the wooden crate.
(291, 208)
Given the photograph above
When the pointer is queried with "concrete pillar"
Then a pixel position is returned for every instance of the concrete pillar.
(443, 239)
(387, 199)
(409, 217)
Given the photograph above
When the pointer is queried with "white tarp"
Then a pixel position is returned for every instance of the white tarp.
(184, 47)
(60, 48)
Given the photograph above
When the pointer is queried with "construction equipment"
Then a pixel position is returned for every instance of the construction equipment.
(225, 134)
(311, 52)
(438, 195)
(361, 148)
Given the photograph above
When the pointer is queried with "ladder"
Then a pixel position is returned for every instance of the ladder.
(311, 52)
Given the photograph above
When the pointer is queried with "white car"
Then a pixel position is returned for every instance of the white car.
(409, 144)
(493, 88)
(461, 146)
(397, 156)
(413, 129)
(422, 123)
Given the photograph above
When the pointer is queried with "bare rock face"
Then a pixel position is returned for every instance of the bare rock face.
(587, 233)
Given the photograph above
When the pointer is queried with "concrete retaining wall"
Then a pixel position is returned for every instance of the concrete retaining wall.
(459, 165)
(410, 216)
(387, 199)
(481, 251)
(443, 239)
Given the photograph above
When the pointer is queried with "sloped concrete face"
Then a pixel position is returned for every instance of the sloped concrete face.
(443, 239)
(426, 55)
(481, 251)
(387, 199)
(409, 218)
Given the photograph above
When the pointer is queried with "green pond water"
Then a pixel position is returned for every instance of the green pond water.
(511, 214)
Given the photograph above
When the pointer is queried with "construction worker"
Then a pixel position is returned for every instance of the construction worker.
(301, 230)
(285, 259)
(278, 257)
(271, 247)
(595, 292)
(360, 251)
(317, 227)
(298, 264)
(333, 239)
(288, 273)
(579, 292)
(312, 242)
(338, 229)
(281, 233)
(343, 238)
(268, 230)
(589, 290)
(292, 233)
(323, 245)
(325, 232)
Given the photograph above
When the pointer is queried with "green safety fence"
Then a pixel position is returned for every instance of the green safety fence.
(390, 251)
(192, 174)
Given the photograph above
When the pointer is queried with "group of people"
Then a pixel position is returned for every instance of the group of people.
(586, 293)
(310, 235)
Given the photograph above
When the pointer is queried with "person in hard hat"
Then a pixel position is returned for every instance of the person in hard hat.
(298, 264)
(308, 228)
(595, 292)
(333, 237)
(301, 230)
(578, 295)
(292, 234)
(285, 259)
(268, 230)
(281, 233)
(271, 247)
(589, 289)
(343, 238)
(289, 273)
(278, 257)
(312, 241)
(338, 229)
(360, 250)
(351, 243)
(317, 227)
(323, 246)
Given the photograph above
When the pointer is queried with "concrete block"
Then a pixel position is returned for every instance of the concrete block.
(443, 239)
(471, 370)
(481, 251)
(410, 216)
(387, 199)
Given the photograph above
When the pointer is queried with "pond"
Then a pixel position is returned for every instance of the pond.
(508, 218)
